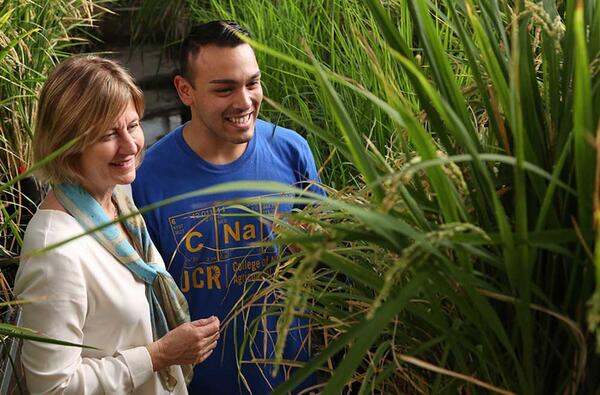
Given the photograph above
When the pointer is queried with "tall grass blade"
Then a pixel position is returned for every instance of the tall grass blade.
(353, 141)
(29, 334)
(582, 121)
(368, 334)
(521, 268)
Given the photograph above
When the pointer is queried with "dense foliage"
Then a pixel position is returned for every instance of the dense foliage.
(456, 250)
(34, 36)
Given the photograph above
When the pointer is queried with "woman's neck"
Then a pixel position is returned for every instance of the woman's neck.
(104, 197)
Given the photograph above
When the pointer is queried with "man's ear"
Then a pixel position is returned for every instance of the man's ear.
(184, 90)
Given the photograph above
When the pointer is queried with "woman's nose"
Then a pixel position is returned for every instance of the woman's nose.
(128, 144)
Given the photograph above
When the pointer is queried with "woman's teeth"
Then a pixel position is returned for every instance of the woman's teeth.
(122, 163)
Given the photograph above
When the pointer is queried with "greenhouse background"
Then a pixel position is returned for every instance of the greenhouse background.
(457, 140)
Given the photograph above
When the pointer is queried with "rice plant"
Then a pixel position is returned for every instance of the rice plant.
(34, 36)
(456, 251)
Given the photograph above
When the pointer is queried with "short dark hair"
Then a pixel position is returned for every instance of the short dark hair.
(219, 33)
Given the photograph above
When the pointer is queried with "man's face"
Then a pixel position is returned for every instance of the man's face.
(226, 93)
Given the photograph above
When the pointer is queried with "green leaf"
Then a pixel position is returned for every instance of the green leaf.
(582, 122)
(30, 334)
(353, 140)
(360, 336)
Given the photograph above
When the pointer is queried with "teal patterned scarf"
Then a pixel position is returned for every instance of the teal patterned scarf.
(168, 307)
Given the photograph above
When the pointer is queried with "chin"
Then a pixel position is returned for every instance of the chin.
(126, 180)
(246, 135)
(243, 139)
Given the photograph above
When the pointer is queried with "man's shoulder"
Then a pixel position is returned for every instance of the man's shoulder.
(278, 135)
(161, 155)
(165, 145)
(157, 163)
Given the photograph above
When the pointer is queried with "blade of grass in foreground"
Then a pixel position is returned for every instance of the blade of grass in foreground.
(356, 147)
(311, 127)
(445, 193)
(582, 123)
(386, 226)
(521, 268)
(38, 165)
(30, 334)
(366, 329)
(399, 43)
(425, 146)
(369, 333)
(593, 315)
(443, 75)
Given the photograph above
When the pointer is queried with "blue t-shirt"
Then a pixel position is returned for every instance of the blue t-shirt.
(210, 247)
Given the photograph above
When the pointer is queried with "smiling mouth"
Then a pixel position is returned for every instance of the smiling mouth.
(243, 120)
(124, 163)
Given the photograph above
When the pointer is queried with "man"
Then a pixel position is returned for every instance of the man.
(209, 246)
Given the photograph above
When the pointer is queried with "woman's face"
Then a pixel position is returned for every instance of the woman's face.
(112, 160)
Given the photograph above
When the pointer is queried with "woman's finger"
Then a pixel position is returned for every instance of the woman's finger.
(205, 356)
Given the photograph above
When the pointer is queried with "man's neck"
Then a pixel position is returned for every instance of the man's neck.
(217, 153)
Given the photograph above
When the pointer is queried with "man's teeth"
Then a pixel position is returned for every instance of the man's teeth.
(240, 120)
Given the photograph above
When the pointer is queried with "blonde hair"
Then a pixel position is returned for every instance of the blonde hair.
(80, 100)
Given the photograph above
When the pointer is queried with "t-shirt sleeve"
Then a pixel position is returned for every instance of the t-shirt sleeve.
(56, 287)
(307, 171)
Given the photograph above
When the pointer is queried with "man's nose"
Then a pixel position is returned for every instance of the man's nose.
(243, 99)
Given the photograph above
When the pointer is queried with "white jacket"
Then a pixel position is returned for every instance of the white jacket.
(81, 294)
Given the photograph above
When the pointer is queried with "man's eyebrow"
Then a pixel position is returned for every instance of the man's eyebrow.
(230, 81)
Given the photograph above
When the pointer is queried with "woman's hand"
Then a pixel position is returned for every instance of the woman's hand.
(190, 343)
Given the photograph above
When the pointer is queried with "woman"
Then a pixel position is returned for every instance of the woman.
(107, 289)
